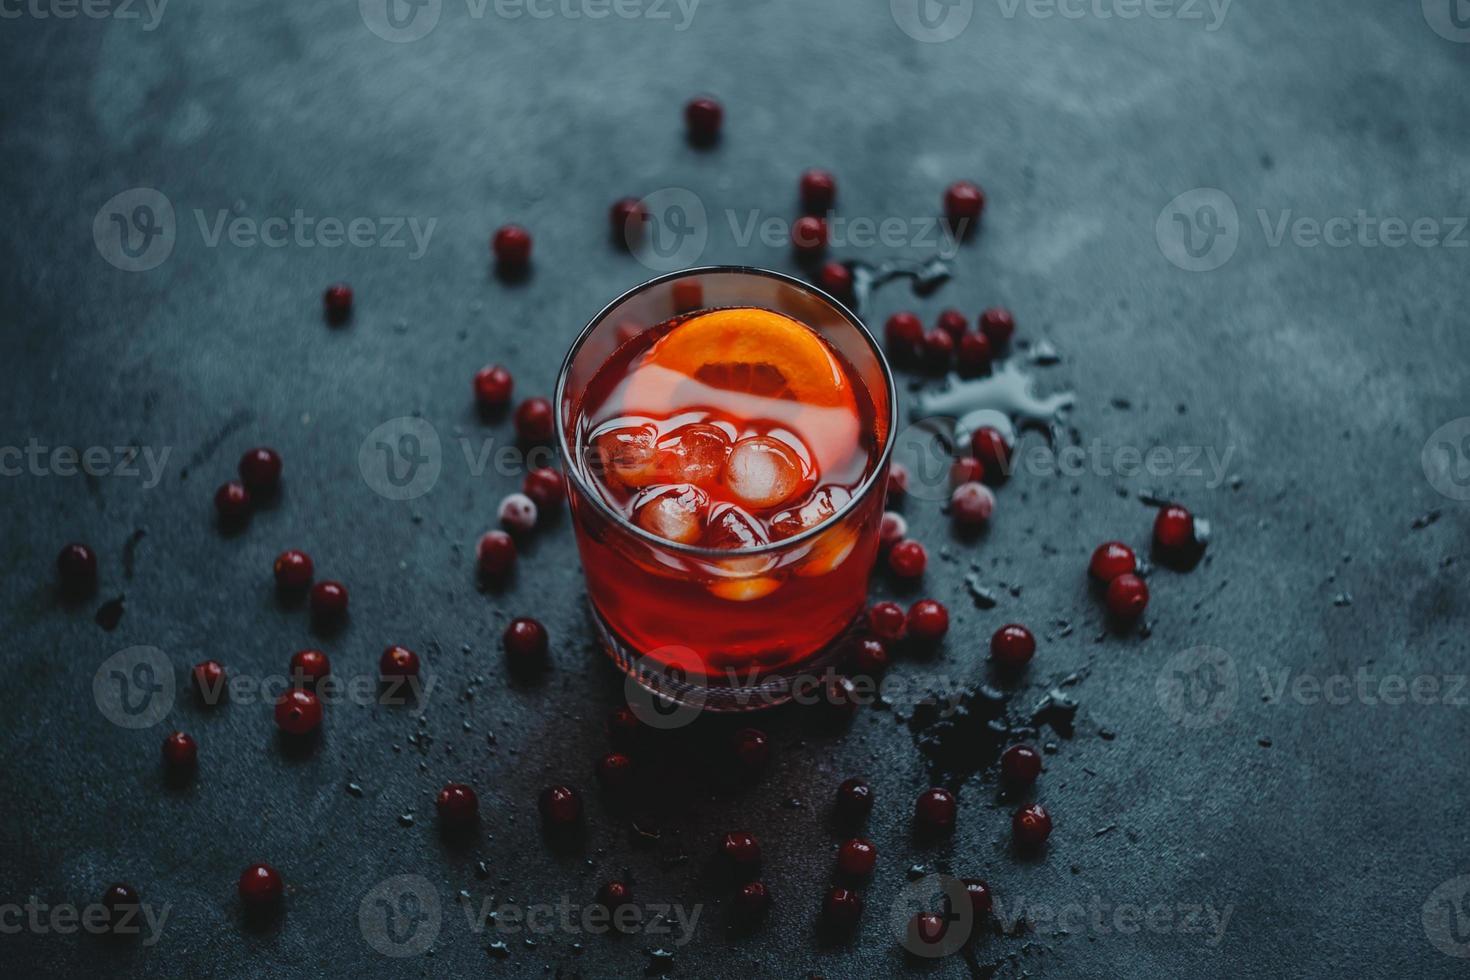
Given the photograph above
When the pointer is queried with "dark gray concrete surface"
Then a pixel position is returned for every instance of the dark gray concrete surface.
(1334, 834)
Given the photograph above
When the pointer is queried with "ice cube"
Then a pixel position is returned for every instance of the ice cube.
(675, 513)
(628, 455)
(817, 508)
(732, 528)
(693, 453)
(745, 589)
(763, 472)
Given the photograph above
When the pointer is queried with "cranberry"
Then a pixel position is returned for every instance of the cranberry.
(614, 770)
(628, 216)
(818, 191)
(260, 886)
(938, 349)
(526, 643)
(545, 487)
(624, 729)
(809, 236)
(180, 752)
(954, 323)
(458, 806)
(518, 513)
(973, 354)
(209, 681)
(560, 806)
(752, 749)
(854, 800)
(329, 602)
(935, 810)
(260, 471)
(741, 848)
(888, 621)
(1111, 559)
(903, 333)
(928, 928)
(898, 480)
(687, 295)
(1127, 597)
(1174, 530)
(997, 324)
(907, 559)
(1031, 825)
(993, 452)
(842, 908)
(337, 301)
(309, 667)
(512, 247)
(293, 570)
(398, 661)
(966, 469)
(495, 554)
(232, 503)
(703, 117)
(298, 712)
(614, 894)
(122, 904)
(493, 385)
(1020, 765)
(856, 857)
(753, 899)
(871, 657)
(892, 528)
(76, 566)
(534, 421)
(963, 204)
(1012, 646)
(839, 698)
(836, 279)
(971, 505)
(981, 901)
(928, 620)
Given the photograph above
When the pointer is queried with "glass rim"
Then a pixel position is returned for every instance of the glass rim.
(859, 495)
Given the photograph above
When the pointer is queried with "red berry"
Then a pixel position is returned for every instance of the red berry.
(927, 928)
(534, 421)
(871, 657)
(973, 354)
(495, 554)
(964, 202)
(628, 217)
(1020, 765)
(624, 729)
(209, 681)
(545, 487)
(1111, 559)
(928, 620)
(836, 279)
(614, 894)
(329, 602)
(526, 643)
(907, 559)
(614, 770)
(560, 806)
(818, 191)
(1174, 530)
(493, 385)
(308, 667)
(935, 810)
(809, 236)
(260, 471)
(888, 621)
(997, 325)
(338, 301)
(938, 349)
(741, 848)
(398, 661)
(981, 901)
(966, 469)
(854, 800)
(898, 480)
(122, 904)
(293, 570)
(954, 323)
(1127, 597)
(903, 333)
(993, 452)
(180, 753)
(856, 857)
(76, 566)
(753, 899)
(842, 908)
(703, 117)
(518, 513)
(752, 749)
(232, 502)
(1031, 825)
(687, 295)
(260, 885)
(298, 712)
(971, 504)
(892, 528)
(512, 247)
(1012, 646)
(458, 806)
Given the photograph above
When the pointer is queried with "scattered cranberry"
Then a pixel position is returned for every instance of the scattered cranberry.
(818, 191)
(837, 279)
(1174, 531)
(856, 857)
(560, 806)
(232, 503)
(614, 770)
(545, 487)
(892, 529)
(871, 657)
(954, 323)
(997, 324)
(260, 886)
(1020, 765)
(928, 928)
(973, 354)
(981, 901)
(938, 349)
(614, 894)
(703, 117)
(1111, 559)
(512, 247)
(624, 729)
(260, 471)
(534, 421)
(993, 452)
(903, 333)
(898, 480)
(753, 899)
(928, 620)
(180, 752)
(628, 217)
(337, 301)
(309, 667)
(935, 809)
(493, 385)
(854, 800)
(122, 904)
(329, 602)
(842, 908)
(298, 712)
(76, 566)
(1012, 646)
(966, 469)
(518, 514)
(458, 806)
(495, 554)
(971, 505)
(752, 749)
(1127, 597)
(839, 697)
(907, 559)
(741, 848)
(888, 621)
(1031, 825)
(526, 643)
(209, 681)
(963, 204)
(293, 570)
(809, 236)
(398, 661)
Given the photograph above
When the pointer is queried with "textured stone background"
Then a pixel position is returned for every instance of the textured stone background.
(1322, 370)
